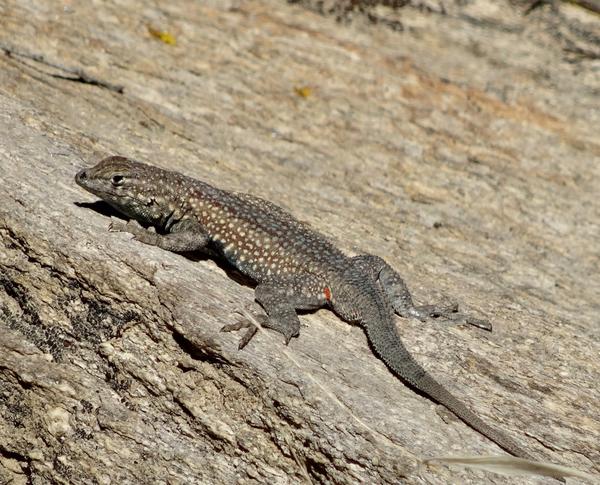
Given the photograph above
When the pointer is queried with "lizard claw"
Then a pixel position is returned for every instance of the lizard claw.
(246, 337)
(424, 312)
(240, 324)
(133, 227)
(449, 313)
(117, 225)
(289, 337)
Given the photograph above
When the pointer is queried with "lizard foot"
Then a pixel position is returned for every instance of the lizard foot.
(450, 314)
(131, 226)
(423, 312)
(244, 322)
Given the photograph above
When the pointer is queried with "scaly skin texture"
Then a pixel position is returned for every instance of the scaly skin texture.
(294, 267)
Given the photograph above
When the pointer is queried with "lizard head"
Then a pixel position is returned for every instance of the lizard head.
(131, 187)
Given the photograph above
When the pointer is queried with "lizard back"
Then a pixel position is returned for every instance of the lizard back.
(258, 237)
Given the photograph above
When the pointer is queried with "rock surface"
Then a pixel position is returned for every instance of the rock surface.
(458, 140)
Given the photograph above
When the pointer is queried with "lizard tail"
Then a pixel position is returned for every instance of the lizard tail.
(386, 343)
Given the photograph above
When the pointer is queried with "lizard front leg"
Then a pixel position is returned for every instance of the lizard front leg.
(399, 296)
(184, 236)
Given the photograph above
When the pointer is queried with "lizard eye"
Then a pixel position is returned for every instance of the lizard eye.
(117, 180)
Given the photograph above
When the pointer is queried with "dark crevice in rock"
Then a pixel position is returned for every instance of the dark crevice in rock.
(113, 376)
(23, 460)
(46, 338)
(74, 74)
(100, 322)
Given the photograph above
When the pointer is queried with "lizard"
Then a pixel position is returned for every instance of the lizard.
(294, 267)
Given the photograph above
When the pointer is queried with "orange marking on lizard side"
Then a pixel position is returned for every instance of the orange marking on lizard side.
(327, 293)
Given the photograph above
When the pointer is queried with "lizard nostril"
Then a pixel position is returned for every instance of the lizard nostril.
(81, 175)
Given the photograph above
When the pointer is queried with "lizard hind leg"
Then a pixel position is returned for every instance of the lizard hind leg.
(401, 299)
(280, 299)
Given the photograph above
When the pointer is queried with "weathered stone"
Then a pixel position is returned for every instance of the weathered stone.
(458, 140)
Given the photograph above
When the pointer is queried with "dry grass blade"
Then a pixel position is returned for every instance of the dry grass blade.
(509, 465)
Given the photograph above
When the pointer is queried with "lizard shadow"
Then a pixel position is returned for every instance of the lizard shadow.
(101, 207)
